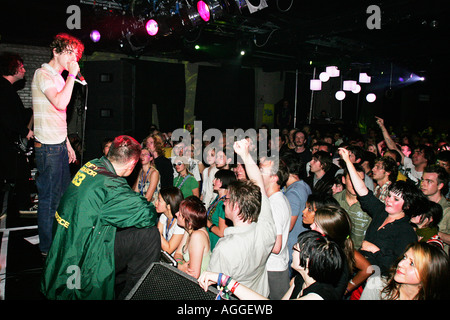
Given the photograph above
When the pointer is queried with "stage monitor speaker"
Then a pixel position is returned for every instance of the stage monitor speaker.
(163, 281)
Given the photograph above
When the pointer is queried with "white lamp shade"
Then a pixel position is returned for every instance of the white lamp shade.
(324, 77)
(357, 89)
(333, 71)
(349, 85)
(371, 97)
(364, 78)
(315, 85)
(340, 95)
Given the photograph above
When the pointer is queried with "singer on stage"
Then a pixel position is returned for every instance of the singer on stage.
(53, 152)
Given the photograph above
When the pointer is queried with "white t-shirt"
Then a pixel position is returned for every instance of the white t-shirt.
(281, 213)
(409, 170)
(173, 229)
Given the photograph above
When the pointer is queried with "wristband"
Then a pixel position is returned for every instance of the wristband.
(234, 287)
(210, 228)
(71, 75)
(227, 282)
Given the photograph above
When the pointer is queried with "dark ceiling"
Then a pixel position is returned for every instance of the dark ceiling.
(286, 35)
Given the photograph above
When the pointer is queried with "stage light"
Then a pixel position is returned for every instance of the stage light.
(340, 95)
(197, 47)
(371, 97)
(152, 27)
(242, 53)
(349, 85)
(240, 4)
(333, 71)
(357, 89)
(209, 9)
(253, 8)
(315, 85)
(203, 10)
(193, 16)
(364, 78)
(95, 36)
(324, 77)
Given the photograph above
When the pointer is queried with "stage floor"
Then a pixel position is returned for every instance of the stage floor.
(20, 258)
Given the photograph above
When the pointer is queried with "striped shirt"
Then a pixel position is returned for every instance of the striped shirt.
(359, 218)
(50, 125)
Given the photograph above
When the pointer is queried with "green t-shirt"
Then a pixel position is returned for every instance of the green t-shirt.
(186, 184)
(215, 211)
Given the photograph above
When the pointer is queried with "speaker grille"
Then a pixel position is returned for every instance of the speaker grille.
(165, 282)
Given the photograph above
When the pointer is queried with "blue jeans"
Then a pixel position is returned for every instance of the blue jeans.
(53, 177)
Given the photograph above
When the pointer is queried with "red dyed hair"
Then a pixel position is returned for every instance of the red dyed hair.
(194, 212)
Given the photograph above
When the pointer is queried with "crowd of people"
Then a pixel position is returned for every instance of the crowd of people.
(253, 226)
(322, 216)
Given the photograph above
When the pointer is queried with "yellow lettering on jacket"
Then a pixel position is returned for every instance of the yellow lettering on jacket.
(91, 165)
(90, 172)
(79, 177)
(61, 221)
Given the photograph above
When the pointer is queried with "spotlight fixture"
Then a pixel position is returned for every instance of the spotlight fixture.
(190, 17)
(256, 7)
(152, 27)
(209, 9)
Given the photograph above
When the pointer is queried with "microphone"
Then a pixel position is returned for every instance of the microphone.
(82, 81)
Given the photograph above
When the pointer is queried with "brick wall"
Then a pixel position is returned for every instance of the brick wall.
(33, 57)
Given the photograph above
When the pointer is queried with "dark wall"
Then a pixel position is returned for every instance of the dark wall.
(121, 95)
(225, 97)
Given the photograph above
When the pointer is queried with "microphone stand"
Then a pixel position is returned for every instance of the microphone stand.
(84, 120)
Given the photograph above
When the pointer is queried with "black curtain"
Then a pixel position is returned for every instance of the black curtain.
(162, 84)
(225, 97)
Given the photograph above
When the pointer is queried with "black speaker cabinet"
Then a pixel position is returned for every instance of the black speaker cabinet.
(163, 281)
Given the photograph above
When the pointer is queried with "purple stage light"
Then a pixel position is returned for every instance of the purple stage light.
(95, 36)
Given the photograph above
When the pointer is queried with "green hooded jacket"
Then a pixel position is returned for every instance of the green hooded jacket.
(80, 263)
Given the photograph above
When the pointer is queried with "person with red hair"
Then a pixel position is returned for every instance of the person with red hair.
(194, 251)
(51, 95)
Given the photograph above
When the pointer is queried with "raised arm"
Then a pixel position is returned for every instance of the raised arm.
(61, 99)
(358, 183)
(387, 137)
(242, 149)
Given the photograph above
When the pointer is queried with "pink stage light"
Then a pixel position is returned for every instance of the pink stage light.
(203, 10)
(95, 36)
(152, 27)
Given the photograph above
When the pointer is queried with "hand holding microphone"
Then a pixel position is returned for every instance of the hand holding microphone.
(74, 69)
(82, 81)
